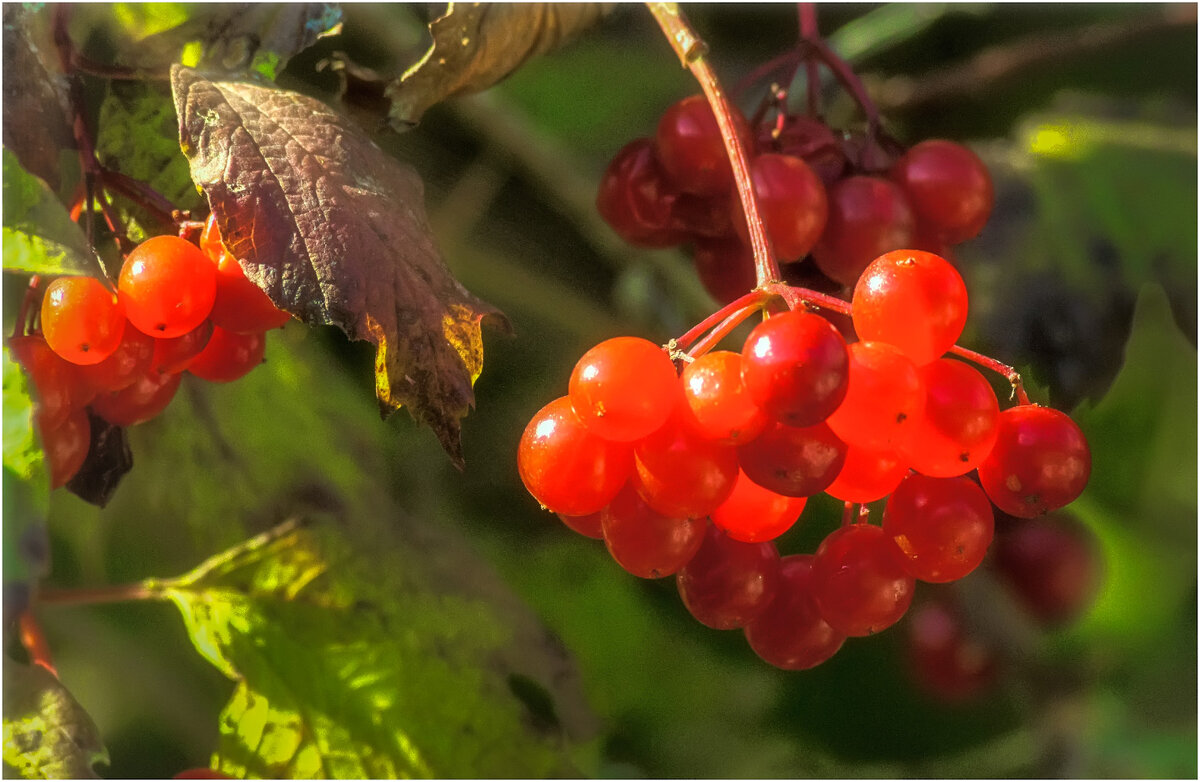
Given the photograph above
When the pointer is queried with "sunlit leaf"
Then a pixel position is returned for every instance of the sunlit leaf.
(47, 734)
(39, 235)
(26, 488)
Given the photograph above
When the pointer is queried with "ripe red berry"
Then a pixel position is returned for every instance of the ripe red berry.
(911, 299)
(796, 367)
(202, 773)
(624, 388)
(565, 467)
(588, 526)
(680, 474)
(240, 306)
(949, 188)
(690, 148)
(1040, 461)
(717, 405)
(175, 354)
(228, 356)
(645, 542)
(959, 423)
(945, 660)
(66, 447)
(942, 526)
(885, 398)
(858, 583)
(138, 402)
(132, 359)
(791, 201)
(868, 216)
(867, 475)
(167, 286)
(728, 583)
(635, 198)
(725, 266)
(753, 514)
(793, 461)
(58, 386)
(790, 633)
(1052, 565)
(82, 320)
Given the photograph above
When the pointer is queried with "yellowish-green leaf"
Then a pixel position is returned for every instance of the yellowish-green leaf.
(39, 235)
(47, 734)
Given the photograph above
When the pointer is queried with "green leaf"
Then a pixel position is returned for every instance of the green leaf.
(39, 235)
(26, 483)
(349, 667)
(47, 734)
(476, 45)
(365, 261)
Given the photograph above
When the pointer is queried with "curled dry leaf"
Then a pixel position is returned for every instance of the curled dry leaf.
(334, 231)
(476, 45)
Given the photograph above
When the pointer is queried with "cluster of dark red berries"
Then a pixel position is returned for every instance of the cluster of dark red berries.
(693, 465)
(121, 355)
(840, 197)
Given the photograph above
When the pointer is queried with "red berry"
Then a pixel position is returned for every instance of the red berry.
(911, 299)
(1052, 565)
(945, 660)
(868, 217)
(132, 359)
(240, 306)
(717, 405)
(228, 356)
(725, 266)
(588, 526)
(635, 198)
(167, 286)
(753, 514)
(175, 354)
(58, 386)
(791, 202)
(949, 188)
(959, 423)
(202, 773)
(704, 217)
(807, 138)
(138, 402)
(885, 397)
(645, 542)
(867, 475)
(858, 583)
(1040, 461)
(690, 148)
(728, 583)
(796, 367)
(942, 526)
(66, 447)
(682, 475)
(793, 461)
(624, 388)
(565, 467)
(790, 633)
(82, 320)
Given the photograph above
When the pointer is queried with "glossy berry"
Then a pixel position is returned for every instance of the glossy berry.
(635, 198)
(82, 320)
(796, 367)
(959, 423)
(132, 359)
(624, 388)
(791, 202)
(885, 398)
(948, 186)
(868, 216)
(66, 447)
(175, 354)
(565, 467)
(717, 405)
(858, 583)
(725, 266)
(228, 356)
(588, 526)
(1040, 461)
(808, 138)
(1052, 565)
(138, 402)
(689, 146)
(645, 542)
(58, 386)
(911, 299)
(240, 306)
(867, 475)
(704, 217)
(793, 461)
(167, 286)
(942, 526)
(680, 474)
(946, 661)
(790, 633)
(753, 514)
(728, 583)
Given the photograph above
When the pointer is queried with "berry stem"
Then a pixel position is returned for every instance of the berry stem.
(141, 194)
(722, 330)
(121, 593)
(743, 306)
(28, 307)
(690, 49)
(841, 71)
(803, 296)
(808, 32)
(1010, 374)
(34, 641)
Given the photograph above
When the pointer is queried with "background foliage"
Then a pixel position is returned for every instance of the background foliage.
(489, 639)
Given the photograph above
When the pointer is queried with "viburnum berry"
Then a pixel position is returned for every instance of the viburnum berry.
(167, 286)
(868, 216)
(175, 354)
(680, 474)
(717, 405)
(911, 299)
(690, 148)
(948, 186)
(645, 542)
(885, 397)
(959, 424)
(228, 356)
(753, 514)
(566, 467)
(66, 447)
(728, 583)
(945, 660)
(624, 388)
(942, 526)
(1052, 565)
(81, 319)
(793, 461)
(58, 386)
(138, 402)
(791, 202)
(635, 198)
(239, 305)
(1040, 461)
(858, 582)
(132, 359)
(589, 526)
(725, 266)
(796, 367)
(867, 475)
(790, 633)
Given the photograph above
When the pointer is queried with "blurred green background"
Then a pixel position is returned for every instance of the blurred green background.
(1084, 279)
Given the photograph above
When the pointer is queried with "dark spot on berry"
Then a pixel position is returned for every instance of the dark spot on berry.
(85, 347)
(160, 327)
(964, 457)
(901, 417)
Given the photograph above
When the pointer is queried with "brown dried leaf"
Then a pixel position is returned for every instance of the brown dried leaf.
(334, 230)
(36, 124)
(476, 45)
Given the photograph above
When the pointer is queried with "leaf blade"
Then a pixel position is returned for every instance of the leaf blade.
(47, 734)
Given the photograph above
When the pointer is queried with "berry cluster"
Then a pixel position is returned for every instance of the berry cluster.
(696, 472)
(121, 355)
(841, 198)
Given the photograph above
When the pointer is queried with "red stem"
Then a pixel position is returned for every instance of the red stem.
(1009, 373)
(24, 316)
(35, 643)
(722, 330)
(809, 33)
(95, 595)
(846, 76)
(753, 299)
